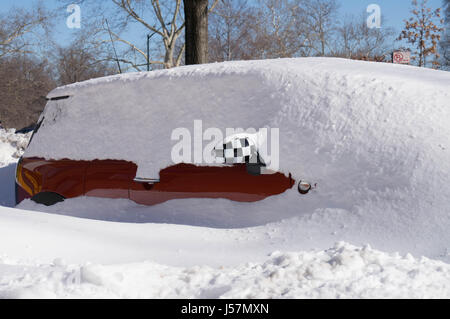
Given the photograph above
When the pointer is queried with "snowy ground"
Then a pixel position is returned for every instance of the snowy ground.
(343, 271)
(278, 248)
(52, 256)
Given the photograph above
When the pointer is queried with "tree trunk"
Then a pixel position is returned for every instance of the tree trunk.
(196, 31)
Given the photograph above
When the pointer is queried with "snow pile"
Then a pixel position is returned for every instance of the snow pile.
(51, 256)
(374, 136)
(12, 146)
(343, 271)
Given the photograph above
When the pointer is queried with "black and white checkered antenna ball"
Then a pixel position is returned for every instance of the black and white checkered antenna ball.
(236, 151)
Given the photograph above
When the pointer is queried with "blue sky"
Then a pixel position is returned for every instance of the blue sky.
(394, 11)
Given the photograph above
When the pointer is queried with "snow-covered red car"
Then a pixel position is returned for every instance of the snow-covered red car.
(114, 138)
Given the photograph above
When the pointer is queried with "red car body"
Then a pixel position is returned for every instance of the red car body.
(116, 179)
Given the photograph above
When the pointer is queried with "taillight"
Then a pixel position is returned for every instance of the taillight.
(29, 181)
(19, 170)
(21, 193)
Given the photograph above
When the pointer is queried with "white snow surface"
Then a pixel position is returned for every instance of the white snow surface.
(375, 137)
(51, 256)
(343, 271)
(12, 146)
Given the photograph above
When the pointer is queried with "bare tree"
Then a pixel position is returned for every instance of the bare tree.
(19, 29)
(354, 40)
(321, 23)
(297, 27)
(112, 19)
(278, 30)
(421, 31)
(79, 62)
(273, 29)
(24, 75)
(445, 42)
(167, 24)
(24, 80)
(230, 28)
(162, 21)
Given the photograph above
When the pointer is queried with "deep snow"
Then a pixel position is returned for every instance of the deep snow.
(343, 271)
(374, 136)
(12, 147)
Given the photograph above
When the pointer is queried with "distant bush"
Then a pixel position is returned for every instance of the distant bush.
(24, 82)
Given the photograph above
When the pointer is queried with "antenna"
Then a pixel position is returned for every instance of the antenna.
(114, 48)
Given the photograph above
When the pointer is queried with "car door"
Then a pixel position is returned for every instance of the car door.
(239, 178)
(109, 178)
(190, 181)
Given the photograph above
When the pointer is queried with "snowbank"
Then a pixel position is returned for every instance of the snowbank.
(12, 146)
(374, 136)
(343, 271)
(50, 256)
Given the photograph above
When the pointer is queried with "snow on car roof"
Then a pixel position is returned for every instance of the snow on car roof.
(264, 67)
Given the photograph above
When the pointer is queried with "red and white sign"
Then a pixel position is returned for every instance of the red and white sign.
(401, 57)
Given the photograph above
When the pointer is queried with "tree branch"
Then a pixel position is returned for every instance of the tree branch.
(180, 55)
(213, 6)
(131, 12)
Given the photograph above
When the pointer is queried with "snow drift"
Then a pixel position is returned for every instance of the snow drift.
(374, 136)
(50, 256)
(12, 146)
(343, 271)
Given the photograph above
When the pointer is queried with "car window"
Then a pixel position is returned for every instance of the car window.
(36, 129)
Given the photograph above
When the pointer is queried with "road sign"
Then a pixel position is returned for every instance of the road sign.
(401, 57)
